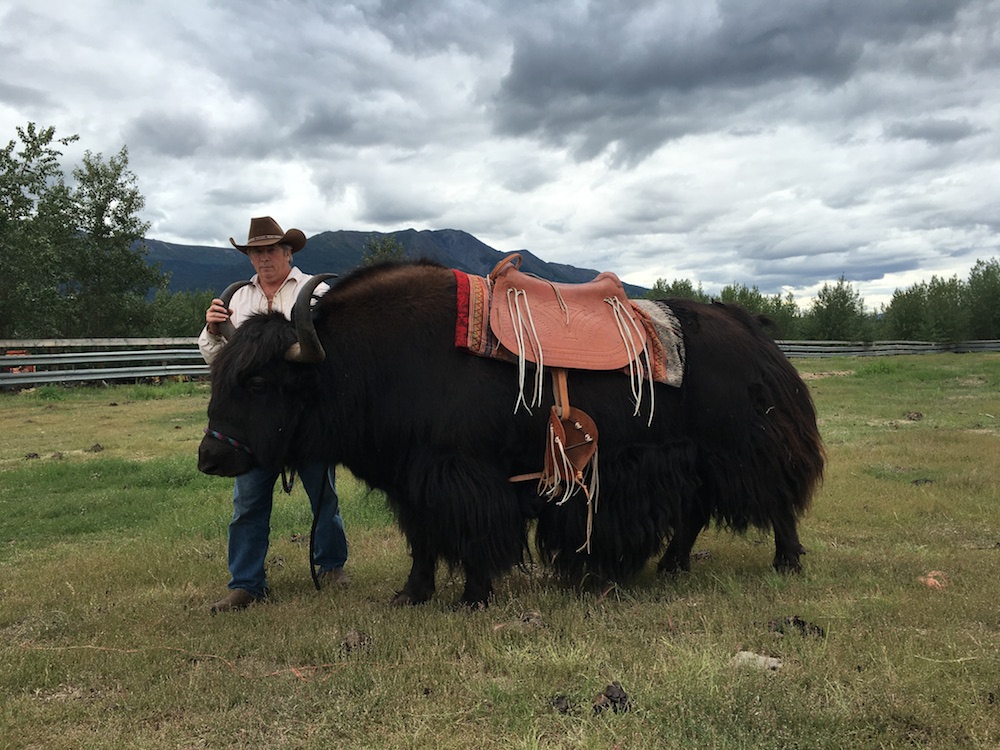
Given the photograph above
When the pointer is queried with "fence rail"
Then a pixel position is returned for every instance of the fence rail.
(881, 348)
(41, 361)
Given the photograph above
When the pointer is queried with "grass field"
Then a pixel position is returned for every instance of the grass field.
(112, 545)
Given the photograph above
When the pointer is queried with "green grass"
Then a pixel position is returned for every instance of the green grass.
(108, 559)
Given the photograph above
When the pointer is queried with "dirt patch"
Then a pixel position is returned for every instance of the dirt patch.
(830, 374)
(973, 381)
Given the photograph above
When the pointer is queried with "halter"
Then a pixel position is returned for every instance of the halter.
(231, 441)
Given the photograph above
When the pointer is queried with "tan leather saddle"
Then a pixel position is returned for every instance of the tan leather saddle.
(589, 326)
(576, 326)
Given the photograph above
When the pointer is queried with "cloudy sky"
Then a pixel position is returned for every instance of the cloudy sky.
(776, 143)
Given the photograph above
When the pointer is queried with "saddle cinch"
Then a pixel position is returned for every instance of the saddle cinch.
(588, 326)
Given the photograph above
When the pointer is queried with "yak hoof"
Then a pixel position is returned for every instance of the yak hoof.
(787, 566)
(405, 599)
(674, 566)
(787, 560)
(475, 602)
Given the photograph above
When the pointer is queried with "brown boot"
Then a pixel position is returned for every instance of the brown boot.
(334, 578)
(236, 600)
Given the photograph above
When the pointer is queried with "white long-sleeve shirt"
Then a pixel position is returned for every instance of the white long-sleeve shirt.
(250, 300)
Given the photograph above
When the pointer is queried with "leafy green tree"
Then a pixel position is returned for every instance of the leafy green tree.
(382, 248)
(68, 267)
(905, 317)
(781, 311)
(34, 209)
(177, 313)
(948, 310)
(110, 278)
(750, 298)
(838, 314)
(786, 315)
(679, 289)
(983, 300)
(946, 315)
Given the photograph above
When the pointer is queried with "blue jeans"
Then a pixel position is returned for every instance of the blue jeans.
(249, 531)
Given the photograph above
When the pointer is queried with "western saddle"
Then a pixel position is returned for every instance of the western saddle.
(589, 326)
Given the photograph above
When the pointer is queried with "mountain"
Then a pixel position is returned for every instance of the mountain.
(195, 267)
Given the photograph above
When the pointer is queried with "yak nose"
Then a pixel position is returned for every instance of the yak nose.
(222, 460)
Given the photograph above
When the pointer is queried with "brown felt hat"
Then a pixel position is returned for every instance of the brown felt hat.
(265, 231)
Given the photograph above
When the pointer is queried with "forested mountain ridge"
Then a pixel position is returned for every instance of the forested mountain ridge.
(195, 268)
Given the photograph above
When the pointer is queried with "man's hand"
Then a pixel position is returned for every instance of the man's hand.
(216, 313)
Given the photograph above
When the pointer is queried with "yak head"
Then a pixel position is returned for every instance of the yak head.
(263, 382)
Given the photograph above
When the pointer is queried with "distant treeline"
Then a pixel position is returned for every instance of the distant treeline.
(943, 310)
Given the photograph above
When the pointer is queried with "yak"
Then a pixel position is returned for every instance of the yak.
(368, 376)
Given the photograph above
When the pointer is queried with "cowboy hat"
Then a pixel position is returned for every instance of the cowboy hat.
(265, 231)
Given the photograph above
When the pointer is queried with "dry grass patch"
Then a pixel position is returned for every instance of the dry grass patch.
(133, 423)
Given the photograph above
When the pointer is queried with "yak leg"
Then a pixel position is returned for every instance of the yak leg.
(419, 585)
(677, 557)
(478, 587)
(787, 547)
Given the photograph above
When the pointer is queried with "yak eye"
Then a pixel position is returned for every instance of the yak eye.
(257, 385)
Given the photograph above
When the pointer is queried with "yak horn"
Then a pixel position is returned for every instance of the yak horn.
(226, 328)
(307, 349)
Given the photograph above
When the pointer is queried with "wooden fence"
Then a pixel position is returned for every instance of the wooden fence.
(40, 361)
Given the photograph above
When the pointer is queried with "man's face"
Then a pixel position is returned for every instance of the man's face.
(272, 262)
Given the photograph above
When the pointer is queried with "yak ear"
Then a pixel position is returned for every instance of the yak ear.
(308, 349)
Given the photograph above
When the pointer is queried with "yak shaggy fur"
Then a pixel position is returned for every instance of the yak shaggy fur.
(434, 427)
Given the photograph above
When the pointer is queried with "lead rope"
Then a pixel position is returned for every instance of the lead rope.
(312, 532)
(287, 483)
(288, 479)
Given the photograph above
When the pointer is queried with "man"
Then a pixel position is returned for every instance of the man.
(273, 288)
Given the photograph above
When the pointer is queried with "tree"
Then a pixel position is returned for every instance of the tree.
(838, 314)
(786, 316)
(382, 248)
(948, 310)
(983, 300)
(66, 254)
(110, 277)
(947, 318)
(679, 289)
(783, 313)
(34, 209)
(905, 318)
(177, 313)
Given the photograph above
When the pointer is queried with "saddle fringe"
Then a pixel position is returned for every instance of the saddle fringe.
(625, 321)
(526, 336)
(564, 481)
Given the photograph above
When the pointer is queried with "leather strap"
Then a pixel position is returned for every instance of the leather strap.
(560, 391)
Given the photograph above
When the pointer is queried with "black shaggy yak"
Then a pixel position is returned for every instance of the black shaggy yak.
(372, 379)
